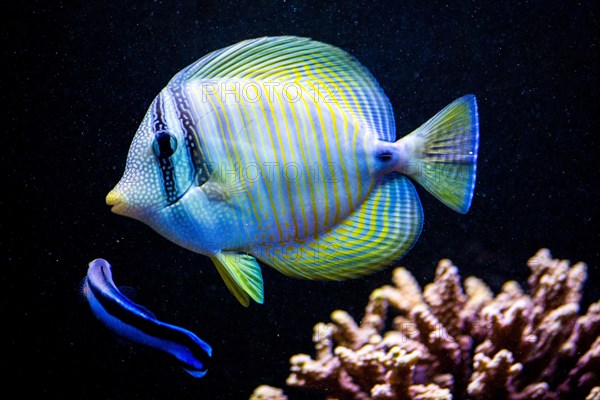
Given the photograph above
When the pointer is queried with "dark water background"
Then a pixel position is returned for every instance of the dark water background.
(80, 76)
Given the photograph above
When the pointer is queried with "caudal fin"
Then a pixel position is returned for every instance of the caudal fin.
(441, 155)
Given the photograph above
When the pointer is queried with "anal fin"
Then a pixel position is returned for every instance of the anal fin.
(383, 229)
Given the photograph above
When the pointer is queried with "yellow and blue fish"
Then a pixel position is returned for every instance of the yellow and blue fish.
(283, 149)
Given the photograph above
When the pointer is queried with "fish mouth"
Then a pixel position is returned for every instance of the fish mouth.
(116, 201)
(119, 203)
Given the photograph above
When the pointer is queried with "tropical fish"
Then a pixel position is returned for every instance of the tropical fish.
(283, 149)
(136, 324)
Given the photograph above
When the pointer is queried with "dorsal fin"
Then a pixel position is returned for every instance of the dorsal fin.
(322, 71)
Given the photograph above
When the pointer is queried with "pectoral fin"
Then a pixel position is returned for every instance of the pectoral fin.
(242, 275)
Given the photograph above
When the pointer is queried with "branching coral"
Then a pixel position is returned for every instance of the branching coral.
(265, 392)
(455, 340)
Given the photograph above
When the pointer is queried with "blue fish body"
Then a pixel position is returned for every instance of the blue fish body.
(284, 150)
(136, 324)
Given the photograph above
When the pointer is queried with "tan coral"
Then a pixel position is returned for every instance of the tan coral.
(478, 296)
(553, 283)
(348, 333)
(437, 339)
(594, 394)
(490, 379)
(587, 327)
(429, 392)
(320, 372)
(399, 366)
(586, 373)
(525, 344)
(405, 294)
(265, 392)
(445, 297)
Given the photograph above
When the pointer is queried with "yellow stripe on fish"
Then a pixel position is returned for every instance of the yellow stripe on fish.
(283, 149)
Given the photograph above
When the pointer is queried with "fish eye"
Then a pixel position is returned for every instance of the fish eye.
(164, 144)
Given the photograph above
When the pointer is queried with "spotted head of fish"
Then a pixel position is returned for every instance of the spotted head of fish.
(159, 168)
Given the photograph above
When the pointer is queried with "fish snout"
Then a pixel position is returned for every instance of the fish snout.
(116, 199)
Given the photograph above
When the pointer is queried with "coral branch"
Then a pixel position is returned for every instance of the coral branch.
(524, 344)
(490, 379)
(445, 297)
(265, 392)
